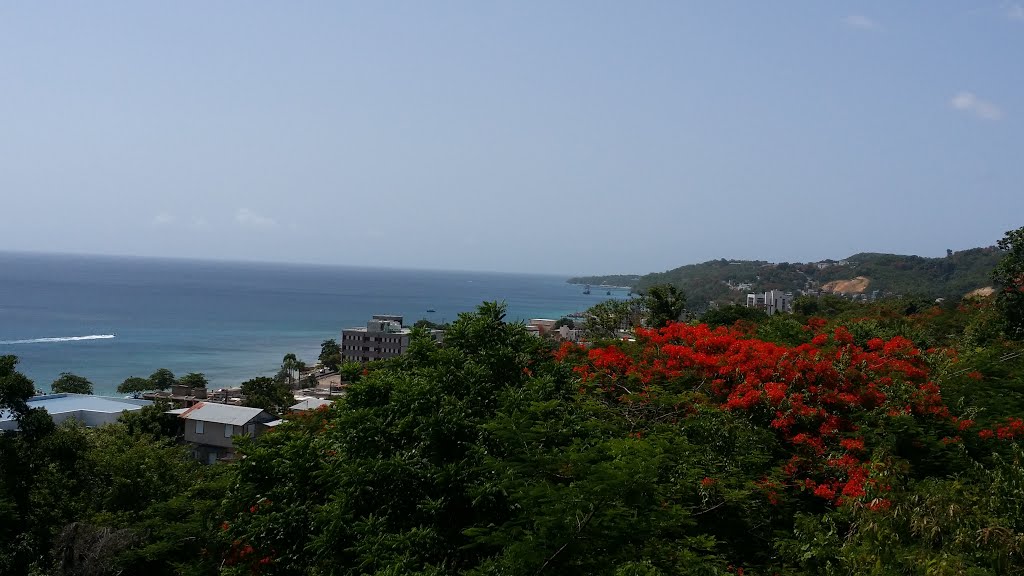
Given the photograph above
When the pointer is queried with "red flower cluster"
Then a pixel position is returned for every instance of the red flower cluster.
(1011, 430)
(812, 395)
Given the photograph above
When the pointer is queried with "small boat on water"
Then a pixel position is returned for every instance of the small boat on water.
(587, 289)
(431, 310)
(608, 293)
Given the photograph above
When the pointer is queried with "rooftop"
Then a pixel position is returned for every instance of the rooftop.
(311, 404)
(73, 404)
(222, 413)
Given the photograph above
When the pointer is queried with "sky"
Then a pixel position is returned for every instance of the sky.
(555, 137)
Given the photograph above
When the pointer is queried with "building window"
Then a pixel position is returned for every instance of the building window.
(228, 430)
(199, 426)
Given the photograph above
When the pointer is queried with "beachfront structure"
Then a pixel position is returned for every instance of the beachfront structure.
(90, 410)
(211, 427)
(383, 337)
(772, 302)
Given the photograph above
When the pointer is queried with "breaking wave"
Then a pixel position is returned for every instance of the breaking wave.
(60, 339)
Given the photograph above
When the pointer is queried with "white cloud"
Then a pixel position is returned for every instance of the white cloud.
(163, 219)
(968, 102)
(1015, 12)
(247, 217)
(860, 22)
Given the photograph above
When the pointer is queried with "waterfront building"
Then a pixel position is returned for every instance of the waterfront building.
(383, 337)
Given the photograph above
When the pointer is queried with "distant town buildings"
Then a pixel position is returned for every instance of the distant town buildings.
(772, 302)
(383, 337)
(90, 410)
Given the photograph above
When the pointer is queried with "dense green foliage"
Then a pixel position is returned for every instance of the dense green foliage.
(1009, 279)
(719, 280)
(330, 354)
(162, 379)
(135, 385)
(194, 380)
(848, 438)
(267, 393)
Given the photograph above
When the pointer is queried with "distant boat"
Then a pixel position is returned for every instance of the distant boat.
(431, 310)
(609, 293)
(587, 289)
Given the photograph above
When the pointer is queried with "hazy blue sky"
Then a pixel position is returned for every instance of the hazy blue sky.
(546, 136)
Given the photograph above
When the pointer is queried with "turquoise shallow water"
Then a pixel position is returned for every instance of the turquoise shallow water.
(109, 318)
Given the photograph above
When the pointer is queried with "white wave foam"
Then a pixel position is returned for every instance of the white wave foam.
(60, 339)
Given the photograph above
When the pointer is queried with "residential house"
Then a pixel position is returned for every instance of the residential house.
(211, 428)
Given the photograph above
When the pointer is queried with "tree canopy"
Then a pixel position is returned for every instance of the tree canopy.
(1009, 278)
(194, 380)
(135, 385)
(330, 354)
(69, 383)
(162, 379)
(267, 393)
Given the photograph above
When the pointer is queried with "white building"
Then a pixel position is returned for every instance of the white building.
(772, 302)
(90, 410)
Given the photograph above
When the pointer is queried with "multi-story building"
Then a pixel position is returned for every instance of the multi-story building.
(383, 337)
(772, 302)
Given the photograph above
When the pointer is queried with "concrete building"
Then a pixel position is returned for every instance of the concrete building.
(210, 428)
(384, 336)
(90, 410)
(772, 302)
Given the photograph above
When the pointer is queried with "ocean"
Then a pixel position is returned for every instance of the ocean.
(108, 318)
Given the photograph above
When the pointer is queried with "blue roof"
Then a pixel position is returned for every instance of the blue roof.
(63, 403)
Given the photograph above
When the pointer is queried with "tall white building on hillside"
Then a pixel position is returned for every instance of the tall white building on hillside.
(772, 302)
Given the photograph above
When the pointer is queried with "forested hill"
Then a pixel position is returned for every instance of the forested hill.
(868, 274)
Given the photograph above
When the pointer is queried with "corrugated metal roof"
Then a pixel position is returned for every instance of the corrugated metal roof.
(222, 413)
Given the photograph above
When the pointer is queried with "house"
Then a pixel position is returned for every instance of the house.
(90, 410)
(211, 428)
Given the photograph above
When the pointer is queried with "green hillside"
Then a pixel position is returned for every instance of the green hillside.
(723, 280)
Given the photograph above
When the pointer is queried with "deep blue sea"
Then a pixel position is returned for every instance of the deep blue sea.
(108, 318)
